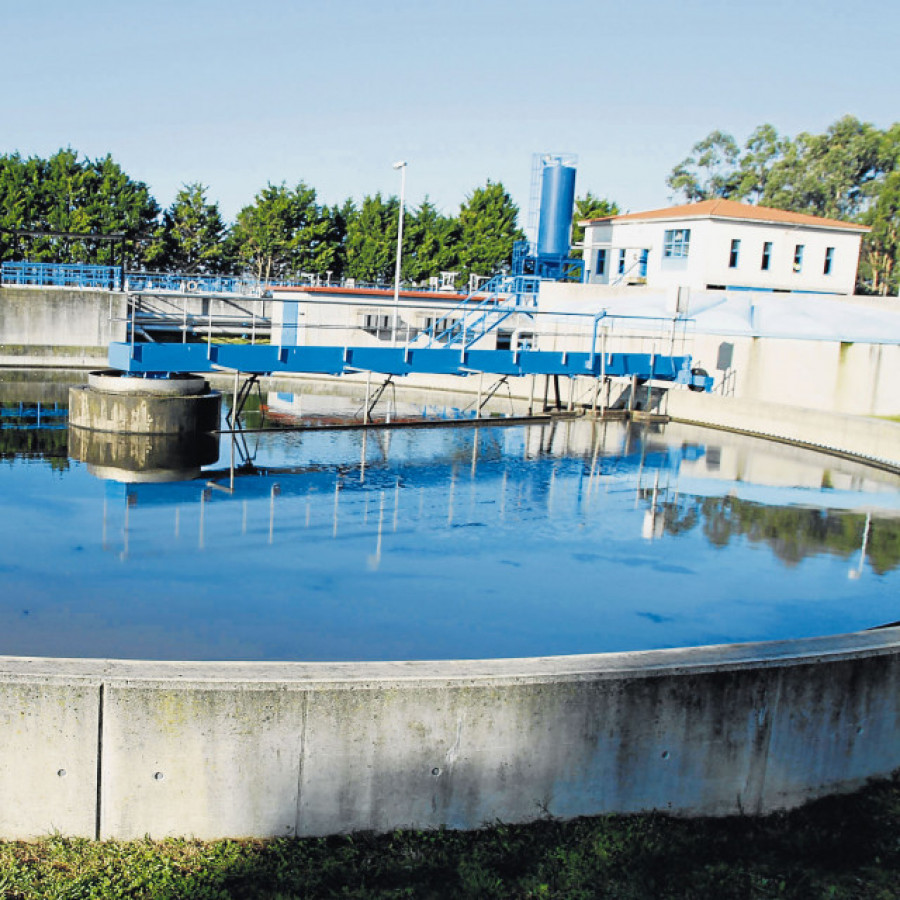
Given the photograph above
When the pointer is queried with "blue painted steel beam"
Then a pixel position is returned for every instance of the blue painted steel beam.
(269, 359)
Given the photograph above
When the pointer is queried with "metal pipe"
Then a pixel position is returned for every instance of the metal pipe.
(402, 167)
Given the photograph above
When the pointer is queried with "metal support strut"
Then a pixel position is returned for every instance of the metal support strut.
(240, 398)
(372, 402)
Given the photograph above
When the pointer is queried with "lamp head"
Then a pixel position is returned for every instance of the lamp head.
(400, 165)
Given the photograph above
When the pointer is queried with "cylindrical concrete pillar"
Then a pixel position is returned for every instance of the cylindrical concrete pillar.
(115, 402)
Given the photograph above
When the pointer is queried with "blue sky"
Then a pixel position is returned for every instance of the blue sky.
(238, 94)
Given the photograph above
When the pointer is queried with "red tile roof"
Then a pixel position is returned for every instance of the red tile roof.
(731, 209)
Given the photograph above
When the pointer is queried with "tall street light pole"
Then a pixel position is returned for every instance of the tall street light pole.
(402, 167)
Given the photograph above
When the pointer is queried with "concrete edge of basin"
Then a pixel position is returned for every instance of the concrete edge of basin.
(356, 675)
(125, 749)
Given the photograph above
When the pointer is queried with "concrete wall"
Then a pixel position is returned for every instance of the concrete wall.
(854, 375)
(855, 378)
(855, 435)
(59, 326)
(125, 749)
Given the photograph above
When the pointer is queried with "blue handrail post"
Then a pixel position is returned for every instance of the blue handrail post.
(600, 315)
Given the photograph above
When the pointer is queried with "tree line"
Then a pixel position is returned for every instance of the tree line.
(285, 233)
(850, 172)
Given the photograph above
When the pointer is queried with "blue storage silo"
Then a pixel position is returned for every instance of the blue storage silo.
(557, 205)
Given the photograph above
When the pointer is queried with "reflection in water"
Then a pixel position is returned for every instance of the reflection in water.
(792, 533)
(35, 429)
(568, 537)
(143, 457)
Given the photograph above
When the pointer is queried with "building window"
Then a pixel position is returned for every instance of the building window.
(601, 262)
(373, 322)
(621, 262)
(438, 325)
(798, 257)
(767, 256)
(377, 325)
(504, 339)
(676, 242)
(829, 260)
(735, 252)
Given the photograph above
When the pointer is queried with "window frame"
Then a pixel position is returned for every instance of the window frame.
(676, 243)
(735, 253)
(766, 262)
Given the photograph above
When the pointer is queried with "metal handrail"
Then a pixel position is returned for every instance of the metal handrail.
(32, 274)
(470, 325)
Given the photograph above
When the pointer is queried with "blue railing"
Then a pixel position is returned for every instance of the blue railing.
(30, 274)
(191, 284)
(483, 310)
(181, 283)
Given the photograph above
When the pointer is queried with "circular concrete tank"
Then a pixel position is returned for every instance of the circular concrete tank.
(114, 402)
(272, 749)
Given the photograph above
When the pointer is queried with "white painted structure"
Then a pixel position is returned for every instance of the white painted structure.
(724, 244)
(812, 351)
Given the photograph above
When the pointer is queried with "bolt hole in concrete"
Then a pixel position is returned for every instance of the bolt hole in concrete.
(435, 771)
(436, 543)
(665, 754)
(61, 773)
(158, 776)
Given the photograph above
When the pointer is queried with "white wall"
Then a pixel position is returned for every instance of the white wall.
(709, 255)
(337, 319)
(849, 375)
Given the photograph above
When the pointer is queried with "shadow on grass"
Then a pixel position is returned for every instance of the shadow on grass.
(844, 847)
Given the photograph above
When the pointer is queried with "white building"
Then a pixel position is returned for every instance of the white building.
(723, 244)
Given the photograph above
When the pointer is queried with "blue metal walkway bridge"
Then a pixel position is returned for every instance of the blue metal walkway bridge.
(263, 359)
(446, 348)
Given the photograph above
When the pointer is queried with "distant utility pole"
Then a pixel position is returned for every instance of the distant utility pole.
(402, 167)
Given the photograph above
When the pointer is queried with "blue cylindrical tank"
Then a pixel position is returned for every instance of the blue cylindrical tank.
(557, 204)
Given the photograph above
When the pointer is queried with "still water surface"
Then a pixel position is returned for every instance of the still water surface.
(412, 543)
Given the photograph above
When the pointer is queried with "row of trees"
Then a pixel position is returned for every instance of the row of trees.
(68, 194)
(850, 172)
(284, 233)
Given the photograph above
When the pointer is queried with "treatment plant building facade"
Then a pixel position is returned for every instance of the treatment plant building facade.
(723, 244)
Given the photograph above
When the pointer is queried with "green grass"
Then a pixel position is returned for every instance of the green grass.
(838, 848)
